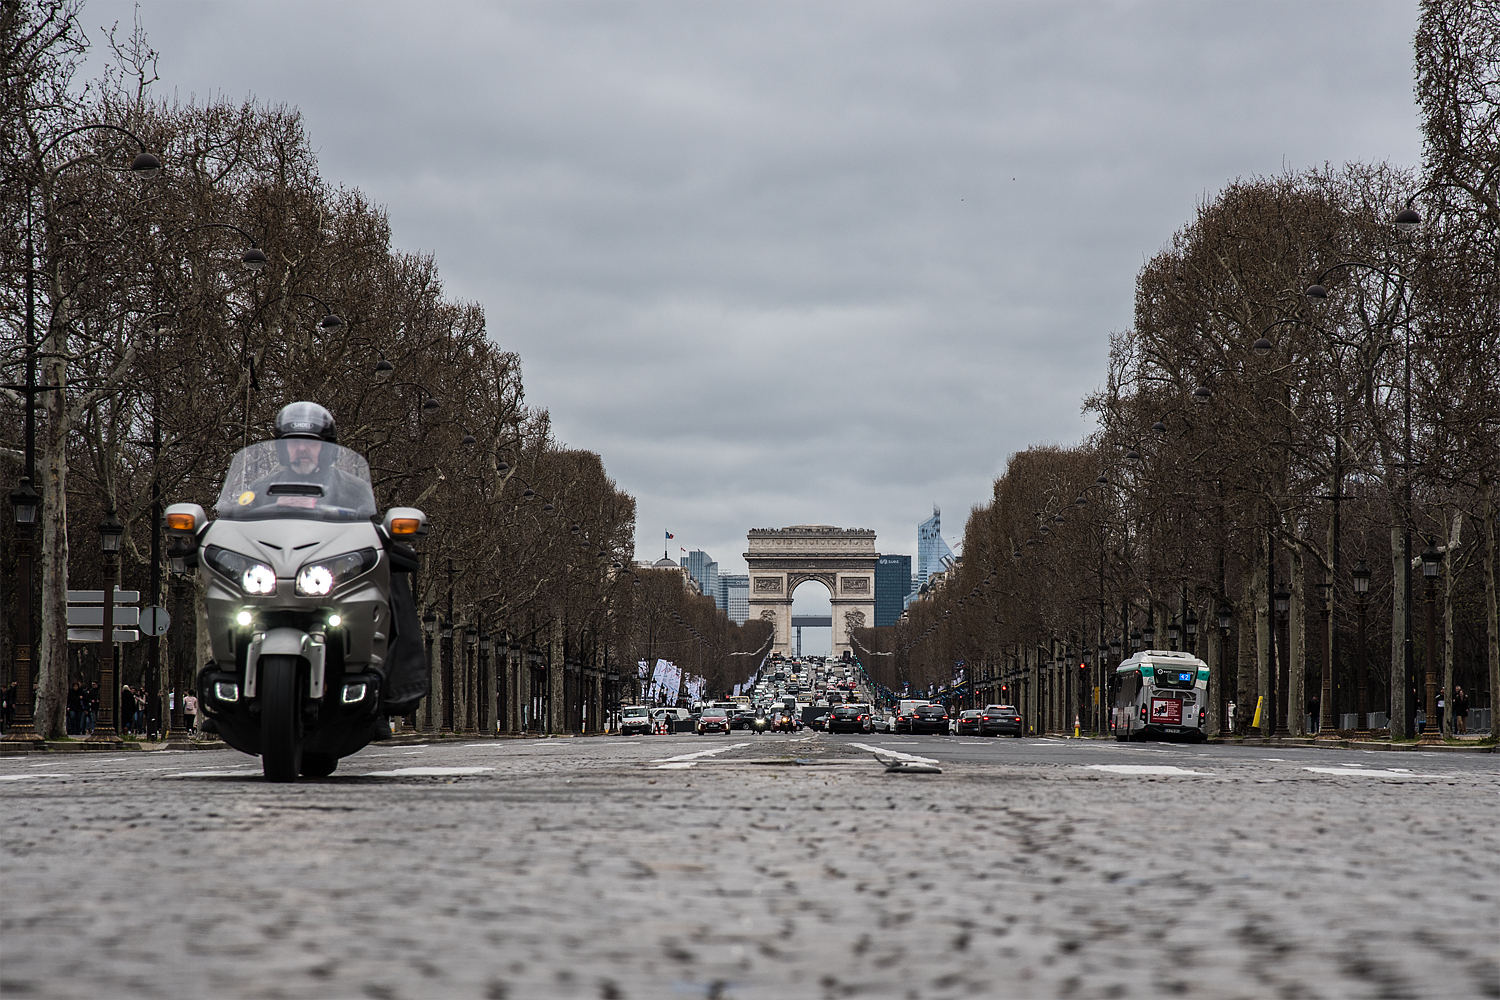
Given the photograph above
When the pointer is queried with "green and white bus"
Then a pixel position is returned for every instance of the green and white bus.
(1161, 693)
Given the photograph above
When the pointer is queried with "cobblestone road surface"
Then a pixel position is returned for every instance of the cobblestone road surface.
(601, 868)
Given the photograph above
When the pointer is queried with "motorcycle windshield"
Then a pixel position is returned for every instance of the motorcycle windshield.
(297, 478)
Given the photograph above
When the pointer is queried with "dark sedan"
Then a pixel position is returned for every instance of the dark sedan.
(969, 722)
(743, 719)
(848, 719)
(1000, 720)
(929, 719)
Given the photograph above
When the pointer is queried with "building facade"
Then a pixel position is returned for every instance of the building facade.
(892, 584)
(842, 559)
(933, 554)
(734, 593)
(702, 568)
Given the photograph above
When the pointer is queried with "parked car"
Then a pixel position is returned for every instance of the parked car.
(968, 723)
(1000, 720)
(929, 719)
(712, 720)
(849, 719)
(635, 720)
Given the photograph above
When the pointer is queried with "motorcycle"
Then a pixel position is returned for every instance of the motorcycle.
(761, 724)
(315, 637)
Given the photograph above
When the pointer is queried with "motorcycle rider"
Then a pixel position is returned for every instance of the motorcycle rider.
(300, 430)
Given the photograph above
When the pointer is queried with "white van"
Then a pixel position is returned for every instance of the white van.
(635, 719)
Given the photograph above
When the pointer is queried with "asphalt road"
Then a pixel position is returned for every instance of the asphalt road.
(745, 866)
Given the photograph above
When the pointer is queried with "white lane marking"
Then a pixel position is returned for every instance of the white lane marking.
(680, 765)
(894, 753)
(1141, 769)
(19, 777)
(700, 753)
(423, 772)
(240, 773)
(1368, 772)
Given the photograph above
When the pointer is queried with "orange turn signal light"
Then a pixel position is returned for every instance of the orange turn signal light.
(405, 525)
(180, 522)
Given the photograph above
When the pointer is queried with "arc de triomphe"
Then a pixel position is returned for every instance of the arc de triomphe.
(842, 559)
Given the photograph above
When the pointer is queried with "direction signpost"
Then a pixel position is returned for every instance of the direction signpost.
(86, 608)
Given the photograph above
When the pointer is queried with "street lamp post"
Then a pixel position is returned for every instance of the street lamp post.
(471, 679)
(489, 702)
(1361, 576)
(1281, 669)
(430, 715)
(1327, 721)
(1432, 559)
(177, 649)
(1083, 668)
(24, 503)
(446, 652)
(110, 530)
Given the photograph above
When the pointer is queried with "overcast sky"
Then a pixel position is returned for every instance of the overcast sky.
(803, 262)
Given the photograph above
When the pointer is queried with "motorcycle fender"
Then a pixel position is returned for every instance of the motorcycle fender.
(286, 642)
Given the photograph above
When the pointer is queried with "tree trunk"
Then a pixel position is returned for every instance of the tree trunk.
(1264, 623)
(52, 669)
(1491, 605)
(1245, 680)
(1296, 671)
(556, 720)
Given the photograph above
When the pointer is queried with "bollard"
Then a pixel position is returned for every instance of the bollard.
(1075, 727)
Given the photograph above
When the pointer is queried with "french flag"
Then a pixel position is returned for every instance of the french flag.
(670, 535)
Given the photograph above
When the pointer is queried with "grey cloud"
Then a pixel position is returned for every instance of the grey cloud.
(798, 262)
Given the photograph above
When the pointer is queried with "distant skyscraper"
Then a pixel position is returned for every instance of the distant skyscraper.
(932, 551)
(734, 595)
(701, 567)
(892, 584)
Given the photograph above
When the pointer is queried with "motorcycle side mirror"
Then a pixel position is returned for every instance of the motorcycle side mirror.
(184, 520)
(404, 522)
(183, 523)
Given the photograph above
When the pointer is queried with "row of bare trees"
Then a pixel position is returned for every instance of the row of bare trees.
(175, 310)
(1311, 388)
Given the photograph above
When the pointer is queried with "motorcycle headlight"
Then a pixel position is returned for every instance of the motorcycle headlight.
(324, 576)
(254, 578)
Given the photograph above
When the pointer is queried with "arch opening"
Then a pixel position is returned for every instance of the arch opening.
(812, 601)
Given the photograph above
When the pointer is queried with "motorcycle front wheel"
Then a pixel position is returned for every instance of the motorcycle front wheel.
(280, 718)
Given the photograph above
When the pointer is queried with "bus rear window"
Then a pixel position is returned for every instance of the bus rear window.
(1169, 678)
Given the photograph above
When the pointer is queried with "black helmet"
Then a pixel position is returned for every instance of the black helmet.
(306, 420)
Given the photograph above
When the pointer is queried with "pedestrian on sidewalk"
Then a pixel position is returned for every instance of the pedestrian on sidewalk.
(1312, 708)
(1460, 710)
(190, 711)
(1440, 707)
